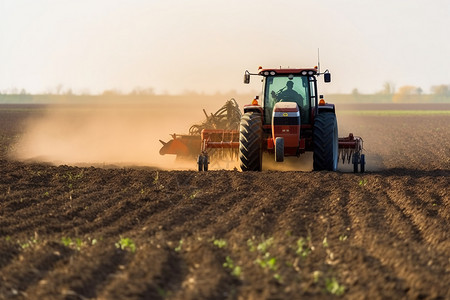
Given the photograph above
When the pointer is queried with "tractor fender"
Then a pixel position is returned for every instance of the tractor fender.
(253, 108)
(328, 107)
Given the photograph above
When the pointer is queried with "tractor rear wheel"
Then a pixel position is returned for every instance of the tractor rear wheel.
(250, 142)
(325, 140)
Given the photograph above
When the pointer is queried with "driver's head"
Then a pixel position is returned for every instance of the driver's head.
(289, 84)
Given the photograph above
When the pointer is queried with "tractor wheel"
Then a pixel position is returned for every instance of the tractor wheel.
(205, 163)
(200, 163)
(250, 142)
(279, 149)
(363, 163)
(355, 161)
(325, 140)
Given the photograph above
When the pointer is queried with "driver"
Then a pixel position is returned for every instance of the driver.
(289, 94)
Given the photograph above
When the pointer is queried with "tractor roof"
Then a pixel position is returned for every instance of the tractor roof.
(305, 71)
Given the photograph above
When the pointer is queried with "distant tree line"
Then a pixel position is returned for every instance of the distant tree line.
(388, 93)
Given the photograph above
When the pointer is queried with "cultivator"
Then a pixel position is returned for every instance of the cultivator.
(217, 137)
(350, 149)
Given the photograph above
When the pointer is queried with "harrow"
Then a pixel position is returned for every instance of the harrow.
(217, 137)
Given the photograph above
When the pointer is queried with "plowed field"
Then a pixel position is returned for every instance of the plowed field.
(70, 232)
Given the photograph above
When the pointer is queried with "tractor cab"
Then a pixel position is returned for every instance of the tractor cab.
(289, 85)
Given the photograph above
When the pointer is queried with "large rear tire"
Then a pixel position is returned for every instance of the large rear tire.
(325, 140)
(250, 142)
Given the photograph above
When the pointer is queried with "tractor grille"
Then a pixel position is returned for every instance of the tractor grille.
(286, 121)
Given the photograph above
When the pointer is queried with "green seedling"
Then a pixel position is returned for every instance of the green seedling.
(229, 264)
(28, 243)
(180, 244)
(76, 244)
(343, 238)
(325, 242)
(193, 195)
(25, 245)
(66, 241)
(316, 276)
(250, 245)
(303, 248)
(220, 243)
(363, 182)
(156, 182)
(126, 243)
(267, 262)
(333, 287)
(156, 179)
(264, 245)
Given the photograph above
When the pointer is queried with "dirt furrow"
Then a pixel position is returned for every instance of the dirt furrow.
(431, 230)
(151, 273)
(39, 259)
(82, 275)
(401, 251)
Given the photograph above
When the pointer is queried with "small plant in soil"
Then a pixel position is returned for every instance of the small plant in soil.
(343, 237)
(333, 287)
(76, 244)
(267, 262)
(125, 244)
(180, 244)
(303, 248)
(229, 264)
(220, 243)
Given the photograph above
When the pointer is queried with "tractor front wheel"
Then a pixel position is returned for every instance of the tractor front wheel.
(325, 140)
(250, 142)
(279, 149)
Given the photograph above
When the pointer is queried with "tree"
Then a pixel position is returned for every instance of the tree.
(112, 92)
(441, 90)
(138, 91)
(388, 88)
(406, 93)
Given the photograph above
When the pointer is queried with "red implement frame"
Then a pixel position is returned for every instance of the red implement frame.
(349, 147)
(218, 138)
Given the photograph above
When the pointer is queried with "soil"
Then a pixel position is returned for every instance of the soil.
(71, 232)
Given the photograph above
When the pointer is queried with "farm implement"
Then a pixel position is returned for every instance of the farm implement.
(216, 138)
(291, 119)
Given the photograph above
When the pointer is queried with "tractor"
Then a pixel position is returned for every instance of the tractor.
(289, 120)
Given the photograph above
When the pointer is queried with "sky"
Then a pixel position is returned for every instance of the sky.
(174, 46)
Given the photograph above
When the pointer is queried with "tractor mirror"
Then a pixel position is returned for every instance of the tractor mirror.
(327, 77)
(247, 77)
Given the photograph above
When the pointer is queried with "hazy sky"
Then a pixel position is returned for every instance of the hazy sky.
(206, 45)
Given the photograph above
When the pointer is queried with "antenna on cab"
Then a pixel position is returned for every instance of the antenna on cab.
(318, 60)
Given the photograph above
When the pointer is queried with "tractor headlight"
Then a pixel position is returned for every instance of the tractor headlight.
(304, 72)
(272, 73)
(310, 72)
(266, 73)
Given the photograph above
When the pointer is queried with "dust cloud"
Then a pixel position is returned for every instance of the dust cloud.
(128, 134)
(118, 134)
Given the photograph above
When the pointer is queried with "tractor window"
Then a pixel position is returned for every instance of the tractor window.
(285, 89)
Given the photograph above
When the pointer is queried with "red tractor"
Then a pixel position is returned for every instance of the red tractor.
(290, 119)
